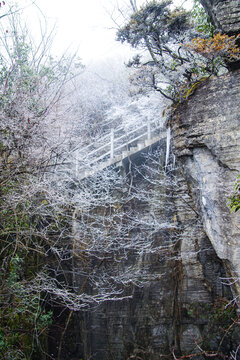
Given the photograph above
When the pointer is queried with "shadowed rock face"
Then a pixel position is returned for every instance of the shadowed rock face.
(224, 14)
(180, 302)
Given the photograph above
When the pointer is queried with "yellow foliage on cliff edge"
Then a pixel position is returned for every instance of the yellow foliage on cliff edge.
(219, 45)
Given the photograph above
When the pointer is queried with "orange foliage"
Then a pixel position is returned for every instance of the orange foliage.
(219, 45)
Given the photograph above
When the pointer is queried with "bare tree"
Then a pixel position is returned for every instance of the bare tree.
(31, 89)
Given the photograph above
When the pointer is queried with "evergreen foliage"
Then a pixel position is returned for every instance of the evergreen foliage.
(175, 40)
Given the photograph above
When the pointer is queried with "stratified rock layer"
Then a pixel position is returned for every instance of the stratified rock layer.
(225, 14)
(206, 131)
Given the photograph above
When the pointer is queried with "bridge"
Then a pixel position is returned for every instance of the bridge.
(116, 146)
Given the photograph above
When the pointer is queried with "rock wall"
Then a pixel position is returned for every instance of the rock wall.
(183, 298)
(206, 131)
(225, 14)
(184, 302)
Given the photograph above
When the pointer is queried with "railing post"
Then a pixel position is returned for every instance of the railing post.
(112, 144)
(76, 165)
(148, 130)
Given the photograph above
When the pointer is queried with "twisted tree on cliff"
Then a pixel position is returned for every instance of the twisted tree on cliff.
(175, 64)
(158, 30)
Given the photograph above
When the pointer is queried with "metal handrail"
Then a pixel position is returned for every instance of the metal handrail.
(131, 132)
(89, 145)
(115, 139)
(100, 148)
(99, 158)
(111, 153)
(129, 143)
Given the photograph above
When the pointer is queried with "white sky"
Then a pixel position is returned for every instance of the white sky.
(85, 25)
(82, 24)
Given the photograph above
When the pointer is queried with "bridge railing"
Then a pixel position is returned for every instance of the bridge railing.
(111, 147)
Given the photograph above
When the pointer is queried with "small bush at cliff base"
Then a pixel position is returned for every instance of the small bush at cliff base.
(234, 201)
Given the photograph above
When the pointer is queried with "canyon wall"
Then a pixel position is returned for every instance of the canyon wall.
(206, 138)
(185, 306)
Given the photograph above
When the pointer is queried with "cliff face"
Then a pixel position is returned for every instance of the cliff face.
(225, 14)
(206, 141)
(207, 144)
(182, 299)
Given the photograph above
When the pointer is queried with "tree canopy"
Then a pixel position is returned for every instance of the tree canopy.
(168, 35)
